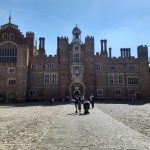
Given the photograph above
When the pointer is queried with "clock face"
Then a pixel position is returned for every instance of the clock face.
(76, 47)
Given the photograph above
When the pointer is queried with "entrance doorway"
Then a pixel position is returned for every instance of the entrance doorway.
(76, 88)
(76, 92)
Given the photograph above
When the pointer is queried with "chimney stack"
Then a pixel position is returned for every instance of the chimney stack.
(110, 52)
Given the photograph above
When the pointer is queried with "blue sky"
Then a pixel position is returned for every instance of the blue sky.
(124, 23)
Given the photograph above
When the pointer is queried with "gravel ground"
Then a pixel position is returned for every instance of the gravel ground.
(136, 117)
(43, 127)
(20, 127)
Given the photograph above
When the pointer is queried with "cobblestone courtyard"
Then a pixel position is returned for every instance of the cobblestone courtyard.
(43, 127)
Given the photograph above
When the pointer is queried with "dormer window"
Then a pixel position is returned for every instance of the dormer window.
(5, 36)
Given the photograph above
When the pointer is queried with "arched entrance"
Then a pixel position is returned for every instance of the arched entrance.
(77, 88)
(76, 92)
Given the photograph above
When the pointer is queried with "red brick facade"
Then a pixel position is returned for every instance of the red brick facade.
(28, 73)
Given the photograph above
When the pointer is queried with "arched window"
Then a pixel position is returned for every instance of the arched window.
(5, 36)
(11, 36)
(8, 53)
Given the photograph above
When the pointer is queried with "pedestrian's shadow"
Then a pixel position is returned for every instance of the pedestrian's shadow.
(83, 114)
(76, 114)
(73, 114)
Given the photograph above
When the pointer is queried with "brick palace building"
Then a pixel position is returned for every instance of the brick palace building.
(26, 72)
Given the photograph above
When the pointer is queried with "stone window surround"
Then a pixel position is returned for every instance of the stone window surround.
(11, 81)
(99, 92)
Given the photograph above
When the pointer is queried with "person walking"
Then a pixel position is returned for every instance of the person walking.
(82, 99)
(76, 104)
(79, 104)
(50, 100)
(92, 100)
(86, 106)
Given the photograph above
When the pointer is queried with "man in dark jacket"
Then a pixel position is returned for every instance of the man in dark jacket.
(92, 100)
(76, 103)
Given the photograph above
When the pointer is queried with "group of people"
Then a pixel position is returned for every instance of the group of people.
(86, 103)
(79, 102)
(51, 100)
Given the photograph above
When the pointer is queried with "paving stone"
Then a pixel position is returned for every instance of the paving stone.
(107, 127)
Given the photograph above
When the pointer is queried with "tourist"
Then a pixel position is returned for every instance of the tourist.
(86, 106)
(92, 100)
(79, 104)
(76, 103)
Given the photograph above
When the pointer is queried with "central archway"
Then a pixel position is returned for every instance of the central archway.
(76, 88)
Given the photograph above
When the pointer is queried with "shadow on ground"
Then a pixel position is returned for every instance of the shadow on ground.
(34, 103)
(120, 101)
(77, 114)
(60, 102)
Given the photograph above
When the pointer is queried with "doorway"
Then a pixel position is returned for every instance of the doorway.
(77, 88)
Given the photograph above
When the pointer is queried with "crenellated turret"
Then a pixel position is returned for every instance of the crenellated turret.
(142, 52)
(89, 43)
(62, 48)
(62, 43)
(30, 42)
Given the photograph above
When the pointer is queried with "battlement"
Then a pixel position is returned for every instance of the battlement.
(114, 58)
(29, 34)
(142, 51)
(89, 38)
(142, 46)
(50, 56)
(62, 38)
